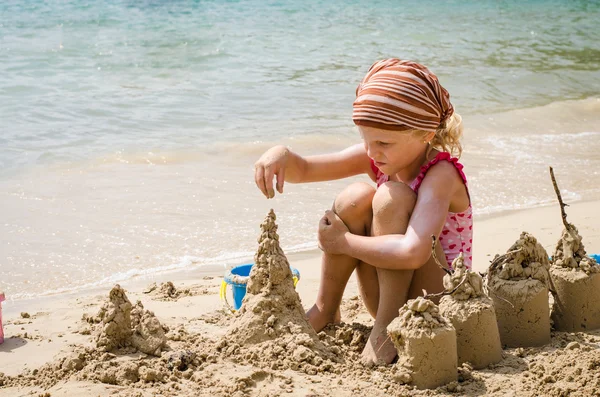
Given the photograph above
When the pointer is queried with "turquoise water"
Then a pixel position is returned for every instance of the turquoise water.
(128, 129)
(79, 79)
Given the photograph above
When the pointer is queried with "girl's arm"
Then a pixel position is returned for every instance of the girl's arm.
(285, 165)
(412, 249)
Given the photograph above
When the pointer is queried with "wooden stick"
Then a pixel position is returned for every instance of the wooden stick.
(562, 204)
(433, 241)
(498, 260)
(448, 292)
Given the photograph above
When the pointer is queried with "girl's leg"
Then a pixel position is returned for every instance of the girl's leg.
(353, 206)
(392, 207)
(429, 277)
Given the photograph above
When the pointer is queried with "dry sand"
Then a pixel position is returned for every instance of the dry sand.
(54, 351)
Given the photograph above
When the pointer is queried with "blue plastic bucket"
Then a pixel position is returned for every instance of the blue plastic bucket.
(241, 274)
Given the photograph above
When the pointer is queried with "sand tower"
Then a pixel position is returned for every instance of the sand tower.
(124, 325)
(518, 282)
(576, 280)
(473, 316)
(272, 319)
(426, 344)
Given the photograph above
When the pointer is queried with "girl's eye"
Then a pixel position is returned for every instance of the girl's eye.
(382, 143)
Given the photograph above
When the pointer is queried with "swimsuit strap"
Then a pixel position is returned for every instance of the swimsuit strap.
(441, 156)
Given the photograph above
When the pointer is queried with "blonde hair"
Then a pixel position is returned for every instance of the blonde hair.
(447, 136)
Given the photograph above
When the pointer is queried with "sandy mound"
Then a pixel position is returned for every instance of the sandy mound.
(570, 252)
(168, 292)
(426, 344)
(271, 326)
(462, 283)
(518, 282)
(473, 316)
(576, 280)
(525, 259)
(124, 326)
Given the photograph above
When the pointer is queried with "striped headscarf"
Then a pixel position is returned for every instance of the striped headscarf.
(401, 95)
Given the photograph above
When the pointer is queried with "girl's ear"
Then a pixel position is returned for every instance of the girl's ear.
(429, 137)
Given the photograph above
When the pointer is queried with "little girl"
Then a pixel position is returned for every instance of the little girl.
(410, 134)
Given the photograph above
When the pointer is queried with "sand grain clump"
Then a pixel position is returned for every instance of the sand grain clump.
(426, 344)
(519, 282)
(473, 316)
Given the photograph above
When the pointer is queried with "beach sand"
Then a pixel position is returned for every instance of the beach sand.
(40, 334)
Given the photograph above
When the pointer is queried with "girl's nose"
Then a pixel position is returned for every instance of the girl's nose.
(370, 150)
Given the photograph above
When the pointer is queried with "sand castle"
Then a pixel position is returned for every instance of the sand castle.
(473, 316)
(576, 280)
(519, 285)
(271, 322)
(426, 344)
(124, 326)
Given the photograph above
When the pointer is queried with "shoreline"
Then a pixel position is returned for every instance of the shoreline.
(536, 219)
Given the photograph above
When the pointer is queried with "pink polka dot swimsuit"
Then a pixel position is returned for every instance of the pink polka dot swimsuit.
(457, 233)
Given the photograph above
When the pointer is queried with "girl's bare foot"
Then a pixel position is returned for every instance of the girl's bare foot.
(319, 318)
(379, 348)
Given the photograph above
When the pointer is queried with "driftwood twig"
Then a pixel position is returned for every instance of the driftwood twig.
(427, 296)
(433, 241)
(499, 259)
(562, 204)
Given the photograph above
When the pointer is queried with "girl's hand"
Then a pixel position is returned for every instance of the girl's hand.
(272, 163)
(332, 231)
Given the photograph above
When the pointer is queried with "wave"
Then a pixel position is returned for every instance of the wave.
(186, 263)
(496, 209)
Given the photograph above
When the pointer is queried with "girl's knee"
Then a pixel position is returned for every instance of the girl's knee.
(353, 206)
(392, 199)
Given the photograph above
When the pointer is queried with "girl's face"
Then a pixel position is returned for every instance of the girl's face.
(392, 151)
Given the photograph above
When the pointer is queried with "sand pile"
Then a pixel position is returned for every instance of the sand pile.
(168, 292)
(473, 316)
(576, 280)
(89, 364)
(519, 283)
(426, 344)
(570, 252)
(123, 326)
(271, 326)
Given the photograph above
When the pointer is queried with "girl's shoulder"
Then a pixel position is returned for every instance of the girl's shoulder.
(446, 164)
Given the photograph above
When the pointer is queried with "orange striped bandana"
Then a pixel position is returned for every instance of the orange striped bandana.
(401, 95)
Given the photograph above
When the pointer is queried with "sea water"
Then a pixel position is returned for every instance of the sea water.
(129, 129)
